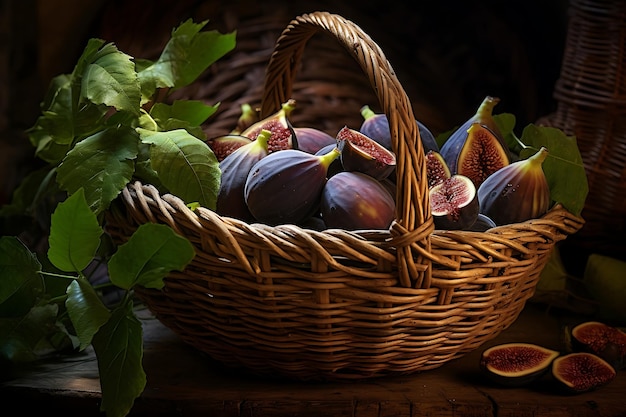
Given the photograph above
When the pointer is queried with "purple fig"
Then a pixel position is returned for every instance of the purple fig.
(376, 126)
(363, 154)
(356, 201)
(477, 149)
(516, 192)
(453, 203)
(311, 140)
(286, 186)
(235, 168)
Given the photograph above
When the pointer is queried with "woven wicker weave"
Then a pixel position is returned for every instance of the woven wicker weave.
(338, 305)
(591, 105)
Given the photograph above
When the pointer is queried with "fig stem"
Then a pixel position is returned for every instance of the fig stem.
(264, 137)
(487, 106)
(367, 112)
(539, 156)
(327, 158)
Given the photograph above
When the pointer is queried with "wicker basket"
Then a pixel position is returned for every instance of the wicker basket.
(591, 105)
(337, 305)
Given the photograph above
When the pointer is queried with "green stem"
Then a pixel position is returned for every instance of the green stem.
(151, 125)
(52, 274)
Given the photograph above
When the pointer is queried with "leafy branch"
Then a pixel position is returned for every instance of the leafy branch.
(101, 126)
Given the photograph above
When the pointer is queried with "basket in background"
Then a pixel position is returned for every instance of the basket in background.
(591, 105)
(338, 305)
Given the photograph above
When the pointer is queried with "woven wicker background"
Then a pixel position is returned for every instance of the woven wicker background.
(591, 98)
(444, 63)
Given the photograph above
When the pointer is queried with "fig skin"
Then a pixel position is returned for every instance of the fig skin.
(312, 140)
(286, 186)
(363, 154)
(482, 224)
(477, 148)
(516, 192)
(376, 126)
(454, 203)
(356, 201)
(235, 168)
(224, 145)
(580, 372)
(279, 124)
(599, 338)
(516, 364)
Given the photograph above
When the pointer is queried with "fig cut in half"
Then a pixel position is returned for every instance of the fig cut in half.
(454, 203)
(581, 372)
(603, 340)
(516, 364)
(363, 154)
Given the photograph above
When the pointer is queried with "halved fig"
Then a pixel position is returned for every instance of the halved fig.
(224, 145)
(454, 203)
(477, 148)
(436, 168)
(516, 364)
(280, 126)
(581, 372)
(605, 341)
(363, 154)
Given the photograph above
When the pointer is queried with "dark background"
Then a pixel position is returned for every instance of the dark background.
(448, 55)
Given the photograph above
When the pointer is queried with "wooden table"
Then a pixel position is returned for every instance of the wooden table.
(185, 382)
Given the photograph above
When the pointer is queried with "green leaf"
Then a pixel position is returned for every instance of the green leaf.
(101, 164)
(506, 124)
(64, 120)
(21, 284)
(74, 234)
(24, 339)
(151, 253)
(605, 279)
(563, 167)
(186, 166)
(187, 54)
(86, 310)
(111, 79)
(119, 351)
(194, 112)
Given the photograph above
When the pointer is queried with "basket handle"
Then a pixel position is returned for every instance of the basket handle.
(410, 232)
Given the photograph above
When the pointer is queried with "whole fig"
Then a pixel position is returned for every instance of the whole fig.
(516, 192)
(235, 168)
(356, 201)
(376, 126)
(286, 186)
(311, 140)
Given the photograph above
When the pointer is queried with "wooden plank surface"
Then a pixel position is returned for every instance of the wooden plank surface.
(185, 382)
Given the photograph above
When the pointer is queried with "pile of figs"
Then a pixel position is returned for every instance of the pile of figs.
(596, 352)
(276, 173)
